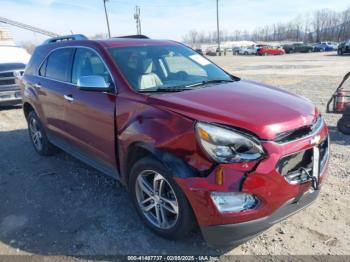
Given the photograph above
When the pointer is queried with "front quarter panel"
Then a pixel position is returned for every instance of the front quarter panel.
(161, 130)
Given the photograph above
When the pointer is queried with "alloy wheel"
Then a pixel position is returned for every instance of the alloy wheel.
(36, 134)
(156, 199)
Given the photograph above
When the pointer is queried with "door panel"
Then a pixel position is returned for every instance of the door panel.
(51, 96)
(90, 123)
(51, 86)
(90, 115)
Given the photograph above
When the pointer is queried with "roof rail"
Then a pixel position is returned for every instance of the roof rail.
(65, 38)
(133, 36)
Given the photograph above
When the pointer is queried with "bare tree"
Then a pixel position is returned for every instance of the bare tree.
(323, 25)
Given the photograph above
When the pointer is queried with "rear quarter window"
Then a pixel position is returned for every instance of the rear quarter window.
(35, 61)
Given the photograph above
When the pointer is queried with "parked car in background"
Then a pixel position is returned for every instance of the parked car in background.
(13, 60)
(248, 50)
(344, 47)
(235, 50)
(195, 146)
(297, 48)
(270, 50)
(210, 52)
(323, 47)
(199, 51)
(334, 45)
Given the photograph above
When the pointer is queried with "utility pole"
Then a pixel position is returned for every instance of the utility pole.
(137, 18)
(109, 30)
(217, 25)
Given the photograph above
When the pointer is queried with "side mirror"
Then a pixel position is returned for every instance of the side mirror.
(95, 83)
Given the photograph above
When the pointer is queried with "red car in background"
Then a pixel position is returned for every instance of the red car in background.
(269, 50)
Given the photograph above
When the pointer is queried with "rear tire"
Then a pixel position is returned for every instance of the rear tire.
(344, 125)
(38, 136)
(159, 201)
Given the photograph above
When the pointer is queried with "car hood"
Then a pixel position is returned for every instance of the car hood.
(264, 110)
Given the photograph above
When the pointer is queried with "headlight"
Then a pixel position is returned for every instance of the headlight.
(233, 201)
(227, 146)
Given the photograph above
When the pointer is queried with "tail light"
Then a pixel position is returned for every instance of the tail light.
(340, 100)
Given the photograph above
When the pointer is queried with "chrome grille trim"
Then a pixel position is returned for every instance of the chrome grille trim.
(8, 79)
(312, 130)
(295, 175)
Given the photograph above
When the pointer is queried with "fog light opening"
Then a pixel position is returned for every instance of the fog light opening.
(227, 202)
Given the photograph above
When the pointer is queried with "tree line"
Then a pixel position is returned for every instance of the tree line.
(323, 25)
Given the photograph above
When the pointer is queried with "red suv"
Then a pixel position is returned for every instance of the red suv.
(195, 145)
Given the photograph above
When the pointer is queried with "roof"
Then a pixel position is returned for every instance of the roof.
(123, 42)
(75, 40)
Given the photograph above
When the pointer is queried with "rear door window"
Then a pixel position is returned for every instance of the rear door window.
(59, 64)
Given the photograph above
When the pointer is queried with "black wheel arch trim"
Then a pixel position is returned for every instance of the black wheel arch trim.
(178, 167)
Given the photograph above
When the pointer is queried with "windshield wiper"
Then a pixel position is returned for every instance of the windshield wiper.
(183, 88)
(213, 81)
(166, 89)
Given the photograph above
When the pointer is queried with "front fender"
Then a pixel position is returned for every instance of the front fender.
(169, 136)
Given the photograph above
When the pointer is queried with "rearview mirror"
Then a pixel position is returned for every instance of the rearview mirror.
(93, 83)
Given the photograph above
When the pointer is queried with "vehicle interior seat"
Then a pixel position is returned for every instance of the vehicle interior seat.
(148, 78)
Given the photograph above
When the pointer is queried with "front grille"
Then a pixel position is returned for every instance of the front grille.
(293, 167)
(299, 133)
(6, 74)
(8, 80)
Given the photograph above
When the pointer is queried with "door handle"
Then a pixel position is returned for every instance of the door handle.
(69, 98)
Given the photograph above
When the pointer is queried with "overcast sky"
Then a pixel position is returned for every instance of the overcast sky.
(160, 18)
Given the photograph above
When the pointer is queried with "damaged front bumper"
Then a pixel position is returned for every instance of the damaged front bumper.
(278, 197)
(234, 234)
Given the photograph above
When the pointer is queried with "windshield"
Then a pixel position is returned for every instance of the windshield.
(165, 68)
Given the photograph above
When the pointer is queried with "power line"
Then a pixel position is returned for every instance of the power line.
(27, 27)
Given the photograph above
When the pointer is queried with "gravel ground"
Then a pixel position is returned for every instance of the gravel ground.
(60, 206)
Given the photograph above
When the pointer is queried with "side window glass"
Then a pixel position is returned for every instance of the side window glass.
(58, 64)
(88, 63)
(42, 71)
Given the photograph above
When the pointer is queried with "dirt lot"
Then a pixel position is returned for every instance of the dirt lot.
(60, 206)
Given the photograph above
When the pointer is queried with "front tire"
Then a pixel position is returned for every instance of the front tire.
(38, 136)
(159, 201)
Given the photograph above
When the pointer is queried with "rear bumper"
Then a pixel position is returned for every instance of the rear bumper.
(10, 97)
(233, 234)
